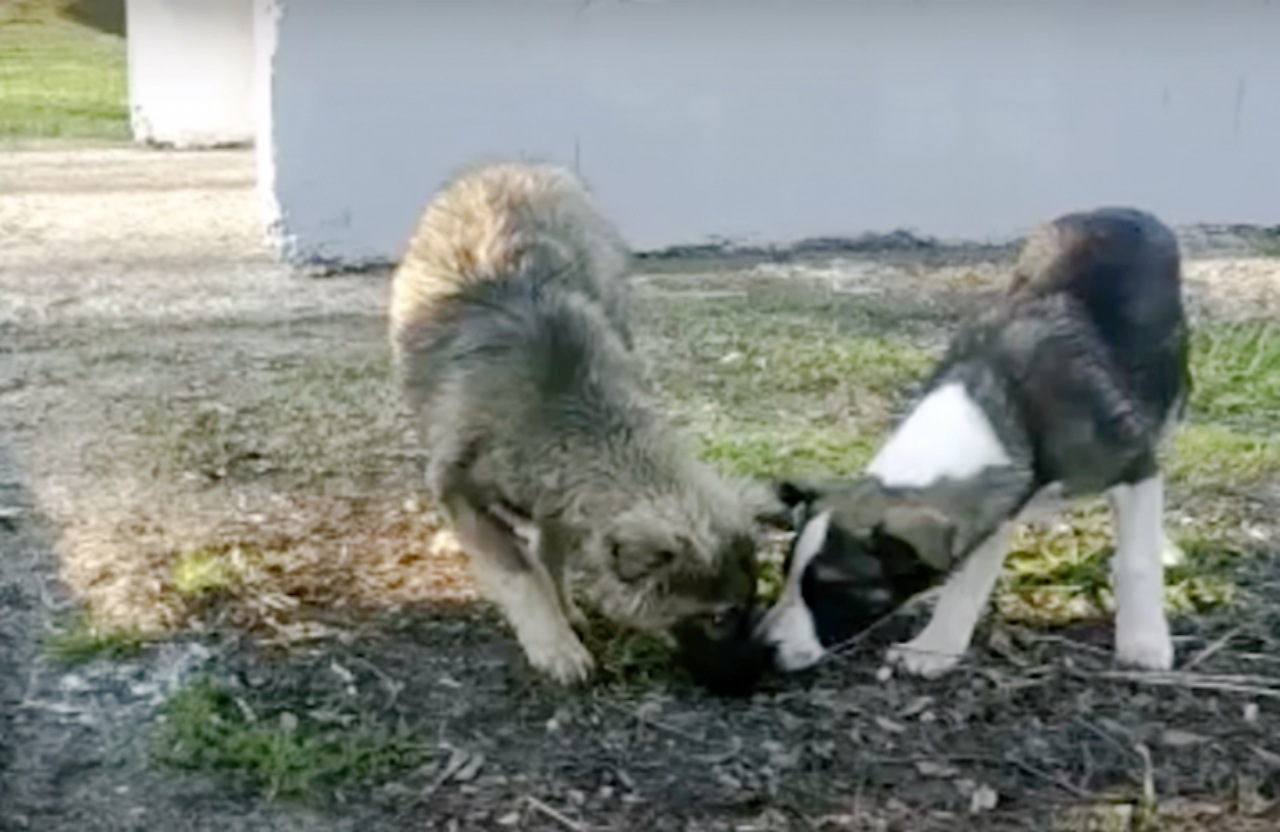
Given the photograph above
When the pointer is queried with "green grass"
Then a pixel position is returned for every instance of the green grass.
(1237, 375)
(81, 639)
(1060, 574)
(58, 79)
(1232, 437)
(201, 572)
(786, 382)
(285, 753)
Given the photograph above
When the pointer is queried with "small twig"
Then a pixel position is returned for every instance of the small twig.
(1188, 681)
(978, 759)
(555, 814)
(1107, 737)
(859, 638)
(390, 685)
(1065, 785)
(1050, 638)
(1211, 649)
(653, 723)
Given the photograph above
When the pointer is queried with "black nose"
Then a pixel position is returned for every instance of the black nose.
(725, 657)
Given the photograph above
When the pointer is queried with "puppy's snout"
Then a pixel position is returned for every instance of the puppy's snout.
(722, 651)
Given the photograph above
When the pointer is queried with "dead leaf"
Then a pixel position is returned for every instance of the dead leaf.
(983, 799)
(469, 771)
(916, 707)
(932, 769)
(1269, 757)
(1174, 738)
(890, 726)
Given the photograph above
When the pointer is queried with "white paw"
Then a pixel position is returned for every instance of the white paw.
(928, 661)
(1147, 648)
(566, 661)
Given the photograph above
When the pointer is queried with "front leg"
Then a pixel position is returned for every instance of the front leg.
(551, 543)
(943, 642)
(510, 573)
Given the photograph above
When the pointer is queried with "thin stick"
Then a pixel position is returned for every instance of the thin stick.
(1026, 768)
(1107, 736)
(653, 723)
(555, 814)
(1211, 649)
(1050, 638)
(1189, 682)
(855, 640)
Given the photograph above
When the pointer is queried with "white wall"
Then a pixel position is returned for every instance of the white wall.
(191, 71)
(770, 121)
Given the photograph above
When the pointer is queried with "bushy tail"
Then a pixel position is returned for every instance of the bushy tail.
(507, 220)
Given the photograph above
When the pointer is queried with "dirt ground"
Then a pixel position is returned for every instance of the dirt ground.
(138, 299)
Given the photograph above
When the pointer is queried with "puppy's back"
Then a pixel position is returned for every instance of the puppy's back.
(1122, 264)
(501, 222)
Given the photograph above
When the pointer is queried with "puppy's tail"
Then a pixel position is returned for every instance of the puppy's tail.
(503, 221)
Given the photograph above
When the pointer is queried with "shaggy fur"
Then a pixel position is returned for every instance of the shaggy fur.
(546, 449)
(1067, 388)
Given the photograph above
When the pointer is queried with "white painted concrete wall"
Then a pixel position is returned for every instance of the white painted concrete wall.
(191, 71)
(770, 121)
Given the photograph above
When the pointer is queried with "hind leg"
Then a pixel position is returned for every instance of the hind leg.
(1142, 632)
(511, 574)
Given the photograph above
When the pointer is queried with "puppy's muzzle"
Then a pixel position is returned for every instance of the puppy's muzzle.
(722, 651)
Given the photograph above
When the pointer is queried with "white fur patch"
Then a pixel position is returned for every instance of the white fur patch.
(789, 626)
(946, 435)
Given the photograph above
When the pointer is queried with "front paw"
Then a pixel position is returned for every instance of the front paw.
(1145, 648)
(925, 660)
(567, 662)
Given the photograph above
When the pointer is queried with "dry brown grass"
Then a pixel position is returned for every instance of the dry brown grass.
(285, 567)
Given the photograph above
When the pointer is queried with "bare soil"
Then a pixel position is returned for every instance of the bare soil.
(136, 294)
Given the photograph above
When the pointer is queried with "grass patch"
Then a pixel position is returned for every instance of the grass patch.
(1060, 573)
(784, 382)
(792, 453)
(1236, 370)
(200, 572)
(624, 656)
(82, 639)
(286, 754)
(1233, 432)
(1213, 456)
(332, 416)
(59, 79)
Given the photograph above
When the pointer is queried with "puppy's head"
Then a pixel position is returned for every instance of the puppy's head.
(861, 552)
(690, 575)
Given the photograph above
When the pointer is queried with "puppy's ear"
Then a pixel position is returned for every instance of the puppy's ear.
(633, 563)
(794, 493)
(929, 533)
